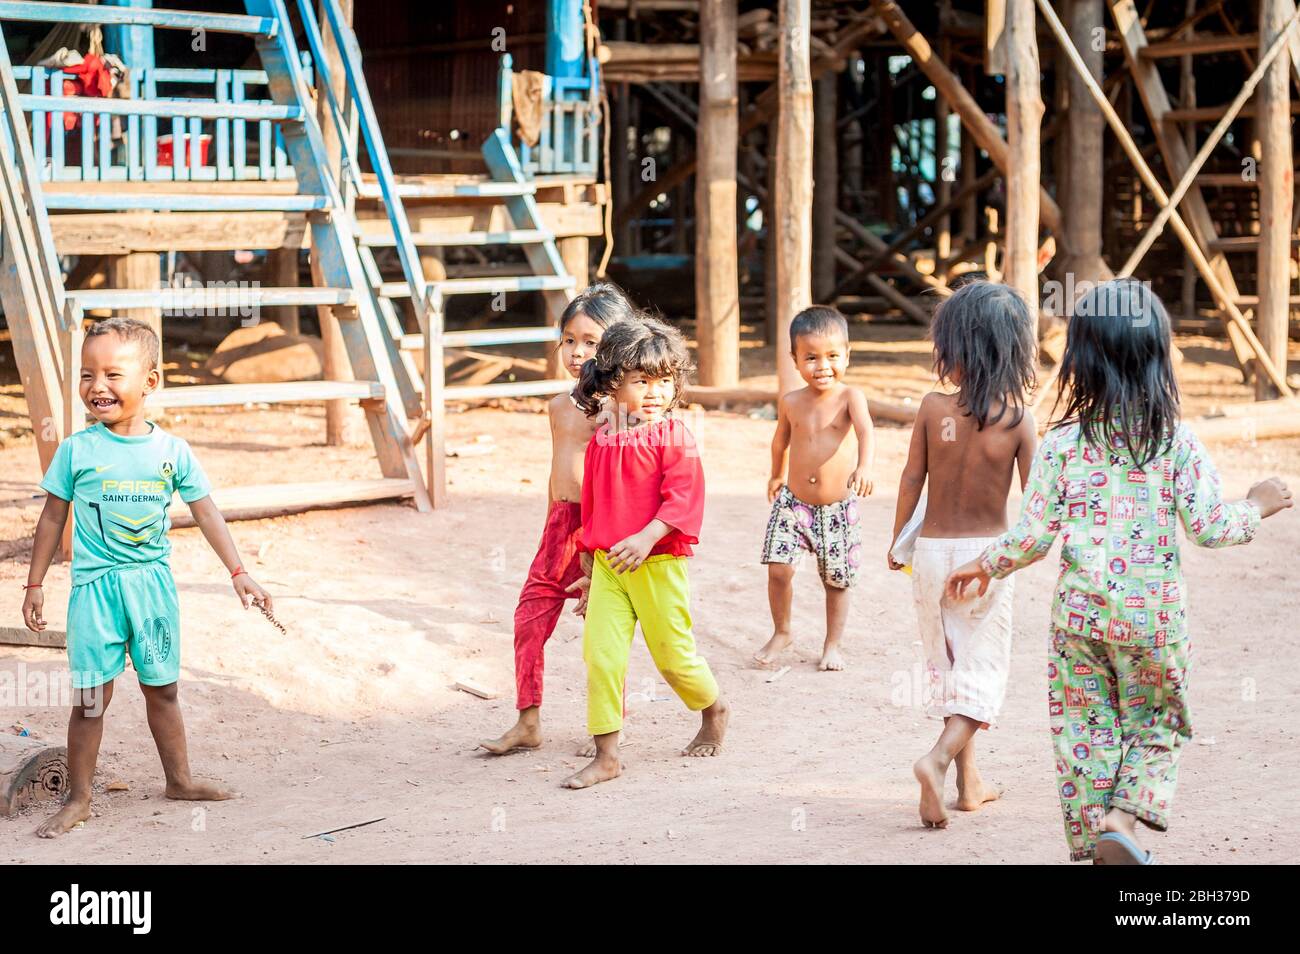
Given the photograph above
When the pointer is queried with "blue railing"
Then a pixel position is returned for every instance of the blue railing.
(569, 139)
(200, 148)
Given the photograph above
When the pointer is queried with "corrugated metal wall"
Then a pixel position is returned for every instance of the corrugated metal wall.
(432, 70)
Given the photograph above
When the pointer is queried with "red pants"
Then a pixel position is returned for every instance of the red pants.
(555, 567)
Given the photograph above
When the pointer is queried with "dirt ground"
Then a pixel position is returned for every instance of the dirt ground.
(351, 716)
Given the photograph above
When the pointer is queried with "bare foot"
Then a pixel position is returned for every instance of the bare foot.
(199, 791)
(599, 770)
(521, 735)
(587, 749)
(930, 776)
(832, 661)
(713, 729)
(778, 644)
(66, 819)
(974, 795)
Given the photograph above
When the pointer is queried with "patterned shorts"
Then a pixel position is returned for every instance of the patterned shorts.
(829, 531)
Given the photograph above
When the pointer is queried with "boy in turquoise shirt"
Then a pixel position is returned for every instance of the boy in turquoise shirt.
(119, 475)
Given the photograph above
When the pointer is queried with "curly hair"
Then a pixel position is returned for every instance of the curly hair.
(645, 344)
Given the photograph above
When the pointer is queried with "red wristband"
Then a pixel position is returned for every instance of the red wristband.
(239, 571)
(33, 586)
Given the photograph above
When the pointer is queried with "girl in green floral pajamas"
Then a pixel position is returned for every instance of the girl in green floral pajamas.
(1112, 479)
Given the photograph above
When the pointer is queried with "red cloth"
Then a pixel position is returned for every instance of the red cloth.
(555, 567)
(631, 477)
(93, 78)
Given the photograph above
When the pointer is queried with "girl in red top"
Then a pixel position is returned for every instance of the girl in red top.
(557, 574)
(642, 506)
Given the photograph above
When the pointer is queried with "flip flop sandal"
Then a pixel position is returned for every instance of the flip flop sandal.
(1114, 848)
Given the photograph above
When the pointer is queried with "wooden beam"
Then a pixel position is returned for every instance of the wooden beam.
(1226, 299)
(1024, 128)
(282, 272)
(140, 270)
(717, 282)
(1177, 157)
(1205, 43)
(1269, 57)
(760, 113)
(1276, 190)
(973, 117)
(794, 167)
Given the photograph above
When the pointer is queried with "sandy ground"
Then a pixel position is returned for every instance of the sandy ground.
(351, 716)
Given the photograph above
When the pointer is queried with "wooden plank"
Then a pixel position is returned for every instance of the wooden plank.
(282, 392)
(271, 500)
(22, 636)
(1204, 43)
(112, 233)
(717, 283)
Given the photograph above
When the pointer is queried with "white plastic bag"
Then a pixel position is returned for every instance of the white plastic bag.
(905, 545)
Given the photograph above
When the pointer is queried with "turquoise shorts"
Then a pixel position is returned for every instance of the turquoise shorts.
(131, 608)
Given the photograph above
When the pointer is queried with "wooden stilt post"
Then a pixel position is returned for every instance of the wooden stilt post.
(1024, 121)
(1084, 198)
(282, 272)
(825, 185)
(344, 424)
(794, 168)
(1276, 194)
(717, 283)
(970, 215)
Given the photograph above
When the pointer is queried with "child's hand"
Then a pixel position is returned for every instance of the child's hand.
(774, 487)
(1270, 496)
(889, 558)
(963, 576)
(583, 586)
(33, 609)
(629, 553)
(860, 482)
(249, 592)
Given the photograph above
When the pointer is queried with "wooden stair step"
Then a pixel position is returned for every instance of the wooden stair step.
(485, 336)
(181, 202)
(483, 286)
(453, 190)
(443, 239)
(207, 299)
(266, 500)
(281, 392)
(486, 392)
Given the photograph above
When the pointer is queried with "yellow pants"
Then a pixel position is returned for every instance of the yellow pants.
(658, 594)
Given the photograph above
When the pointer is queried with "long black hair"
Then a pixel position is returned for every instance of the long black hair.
(602, 302)
(1119, 372)
(983, 335)
(644, 344)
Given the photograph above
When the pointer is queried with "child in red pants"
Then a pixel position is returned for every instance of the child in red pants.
(557, 573)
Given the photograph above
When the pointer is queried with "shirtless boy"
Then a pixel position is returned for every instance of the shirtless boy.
(814, 505)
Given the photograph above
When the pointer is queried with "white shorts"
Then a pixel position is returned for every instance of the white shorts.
(966, 643)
